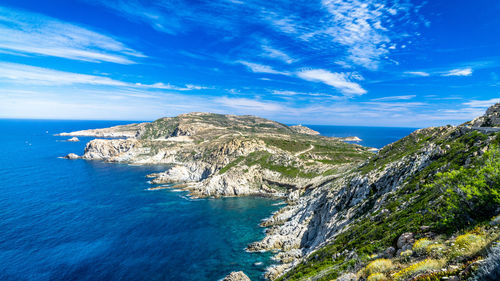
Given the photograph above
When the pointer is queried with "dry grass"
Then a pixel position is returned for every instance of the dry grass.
(377, 277)
(420, 246)
(418, 268)
(378, 266)
(468, 245)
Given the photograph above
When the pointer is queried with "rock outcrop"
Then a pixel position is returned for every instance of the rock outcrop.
(236, 276)
(304, 130)
(490, 119)
(72, 156)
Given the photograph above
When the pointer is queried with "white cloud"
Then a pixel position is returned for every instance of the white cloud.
(340, 81)
(482, 103)
(26, 74)
(260, 68)
(393, 98)
(359, 32)
(277, 54)
(249, 105)
(418, 73)
(459, 72)
(34, 34)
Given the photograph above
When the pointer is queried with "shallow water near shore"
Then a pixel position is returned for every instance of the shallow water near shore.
(88, 220)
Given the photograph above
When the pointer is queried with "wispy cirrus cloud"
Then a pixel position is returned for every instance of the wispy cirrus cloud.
(417, 73)
(458, 72)
(249, 105)
(482, 103)
(261, 68)
(27, 74)
(273, 53)
(362, 32)
(395, 98)
(339, 81)
(25, 33)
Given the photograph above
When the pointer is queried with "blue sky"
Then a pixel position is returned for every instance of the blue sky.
(346, 62)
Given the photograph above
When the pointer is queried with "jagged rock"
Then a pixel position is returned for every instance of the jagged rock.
(72, 156)
(347, 277)
(73, 139)
(490, 119)
(236, 276)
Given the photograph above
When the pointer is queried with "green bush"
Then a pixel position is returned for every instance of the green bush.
(420, 246)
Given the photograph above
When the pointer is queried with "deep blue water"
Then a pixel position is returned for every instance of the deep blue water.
(376, 137)
(87, 220)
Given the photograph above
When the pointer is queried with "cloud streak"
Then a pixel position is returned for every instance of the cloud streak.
(24, 33)
(459, 72)
(339, 81)
(26, 74)
(260, 68)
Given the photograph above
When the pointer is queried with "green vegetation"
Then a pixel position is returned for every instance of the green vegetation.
(287, 145)
(474, 184)
(471, 193)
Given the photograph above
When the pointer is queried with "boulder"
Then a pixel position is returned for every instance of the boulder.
(405, 239)
(236, 276)
(389, 252)
(71, 156)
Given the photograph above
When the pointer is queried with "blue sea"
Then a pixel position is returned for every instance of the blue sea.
(88, 220)
(376, 137)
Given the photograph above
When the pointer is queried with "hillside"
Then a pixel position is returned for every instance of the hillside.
(424, 208)
(227, 155)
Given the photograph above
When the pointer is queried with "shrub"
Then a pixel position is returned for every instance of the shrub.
(417, 268)
(471, 192)
(376, 277)
(435, 250)
(420, 246)
(378, 266)
(468, 245)
(405, 255)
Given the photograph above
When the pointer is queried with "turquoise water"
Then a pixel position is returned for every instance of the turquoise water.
(87, 220)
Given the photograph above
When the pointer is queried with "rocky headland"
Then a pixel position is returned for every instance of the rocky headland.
(227, 155)
(423, 208)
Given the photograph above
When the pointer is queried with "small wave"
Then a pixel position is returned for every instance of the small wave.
(279, 203)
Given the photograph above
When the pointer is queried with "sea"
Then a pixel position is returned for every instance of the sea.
(88, 220)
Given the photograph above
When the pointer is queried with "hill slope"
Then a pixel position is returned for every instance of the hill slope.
(422, 208)
(227, 155)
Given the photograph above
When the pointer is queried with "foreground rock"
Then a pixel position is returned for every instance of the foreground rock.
(228, 155)
(236, 276)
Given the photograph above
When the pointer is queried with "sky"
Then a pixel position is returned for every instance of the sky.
(402, 63)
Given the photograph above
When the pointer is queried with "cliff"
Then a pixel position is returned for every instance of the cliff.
(423, 208)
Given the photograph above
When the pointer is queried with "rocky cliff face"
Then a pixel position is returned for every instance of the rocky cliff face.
(333, 229)
(227, 155)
